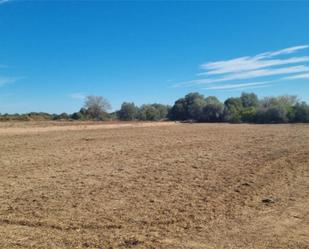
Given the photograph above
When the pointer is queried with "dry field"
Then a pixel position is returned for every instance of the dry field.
(162, 185)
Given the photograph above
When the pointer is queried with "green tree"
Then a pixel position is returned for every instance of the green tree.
(285, 100)
(128, 111)
(232, 110)
(276, 109)
(248, 114)
(273, 114)
(213, 110)
(189, 107)
(148, 112)
(195, 103)
(301, 113)
(249, 99)
(162, 109)
(178, 110)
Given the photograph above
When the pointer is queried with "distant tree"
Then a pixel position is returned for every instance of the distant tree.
(163, 110)
(232, 110)
(189, 107)
(96, 107)
(273, 114)
(213, 110)
(195, 103)
(178, 110)
(285, 100)
(248, 114)
(77, 116)
(267, 102)
(288, 100)
(83, 111)
(128, 111)
(112, 116)
(300, 113)
(148, 112)
(276, 109)
(249, 99)
(62, 116)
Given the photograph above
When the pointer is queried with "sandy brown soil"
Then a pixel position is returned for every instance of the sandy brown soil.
(162, 186)
(10, 128)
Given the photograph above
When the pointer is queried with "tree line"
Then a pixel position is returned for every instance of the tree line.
(193, 107)
(247, 108)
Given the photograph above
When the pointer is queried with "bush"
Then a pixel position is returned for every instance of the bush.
(62, 116)
(77, 116)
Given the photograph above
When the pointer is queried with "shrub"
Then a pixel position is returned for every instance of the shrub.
(77, 116)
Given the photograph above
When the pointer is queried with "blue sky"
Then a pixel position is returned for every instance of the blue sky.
(52, 53)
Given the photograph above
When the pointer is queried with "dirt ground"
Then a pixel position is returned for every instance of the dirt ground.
(154, 185)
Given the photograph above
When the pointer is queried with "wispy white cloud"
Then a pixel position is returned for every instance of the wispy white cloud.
(79, 96)
(286, 51)
(297, 76)
(246, 64)
(8, 80)
(249, 75)
(236, 86)
(247, 87)
(273, 64)
(5, 80)
(4, 1)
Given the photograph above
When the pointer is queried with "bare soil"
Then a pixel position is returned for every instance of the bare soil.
(154, 185)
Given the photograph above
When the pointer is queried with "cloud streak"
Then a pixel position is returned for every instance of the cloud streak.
(4, 1)
(297, 76)
(8, 80)
(5, 80)
(278, 64)
(236, 86)
(247, 64)
(78, 96)
(252, 74)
